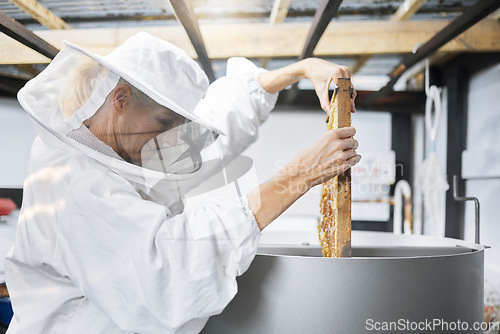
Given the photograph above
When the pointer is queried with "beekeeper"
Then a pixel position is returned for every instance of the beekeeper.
(103, 242)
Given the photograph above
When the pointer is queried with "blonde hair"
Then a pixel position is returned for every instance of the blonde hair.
(80, 85)
(83, 80)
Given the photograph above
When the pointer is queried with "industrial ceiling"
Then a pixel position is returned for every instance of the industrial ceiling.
(383, 42)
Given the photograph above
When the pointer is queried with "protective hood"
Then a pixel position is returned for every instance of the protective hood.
(132, 110)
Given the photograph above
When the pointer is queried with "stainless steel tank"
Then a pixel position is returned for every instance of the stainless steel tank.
(392, 284)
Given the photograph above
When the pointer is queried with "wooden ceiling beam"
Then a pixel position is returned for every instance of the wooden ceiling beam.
(29, 69)
(495, 15)
(470, 17)
(403, 13)
(25, 36)
(41, 14)
(407, 9)
(360, 62)
(185, 14)
(45, 17)
(279, 11)
(321, 20)
(9, 86)
(278, 15)
(279, 40)
(395, 102)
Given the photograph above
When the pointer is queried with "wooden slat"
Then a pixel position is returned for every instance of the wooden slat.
(185, 13)
(470, 17)
(343, 232)
(279, 11)
(16, 76)
(322, 17)
(41, 14)
(28, 68)
(407, 9)
(495, 15)
(360, 62)
(279, 40)
(335, 224)
(45, 17)
(396, 102)
(278, 15)
(404, 12)
(18, 32)
(9, 89)
(10, 85)
(324, 14)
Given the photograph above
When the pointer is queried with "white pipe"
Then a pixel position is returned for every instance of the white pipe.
(401, 191)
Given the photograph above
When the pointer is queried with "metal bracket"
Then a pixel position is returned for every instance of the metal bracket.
(464, 199)
(351, 91)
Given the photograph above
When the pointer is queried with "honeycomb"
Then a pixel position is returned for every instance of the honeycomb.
(327, 223)
(328, 203)
(335, 201)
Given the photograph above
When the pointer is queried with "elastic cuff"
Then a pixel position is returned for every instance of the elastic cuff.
(249, 213)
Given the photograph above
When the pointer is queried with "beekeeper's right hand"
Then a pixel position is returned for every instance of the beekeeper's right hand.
(331, 155)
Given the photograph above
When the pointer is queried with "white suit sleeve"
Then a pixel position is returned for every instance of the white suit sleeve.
(237, 104)
(147, 272)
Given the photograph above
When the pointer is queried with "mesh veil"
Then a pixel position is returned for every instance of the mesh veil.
(159, 151)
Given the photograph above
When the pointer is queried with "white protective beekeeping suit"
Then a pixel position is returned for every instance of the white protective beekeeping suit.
(103, 244)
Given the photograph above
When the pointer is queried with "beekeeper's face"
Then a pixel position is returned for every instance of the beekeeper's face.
(155, 137)
(139, 122)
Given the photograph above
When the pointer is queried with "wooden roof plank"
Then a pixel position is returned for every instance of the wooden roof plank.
(41, 14)
(403, 13)
(279, 11)
(323, 16)
(21, 34)
(471, 16)
(407, 9)
(29, 69)
(279, 40)
(278, 15)
(495, 15)
(394, 102)
(185, 13)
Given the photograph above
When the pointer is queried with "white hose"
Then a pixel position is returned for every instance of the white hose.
(432, 120)
(402, 189)
(431, 180)
(433, 99)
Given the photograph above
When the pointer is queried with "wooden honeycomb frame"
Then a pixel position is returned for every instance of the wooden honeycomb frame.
(334, 227)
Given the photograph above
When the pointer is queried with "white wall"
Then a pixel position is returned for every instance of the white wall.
(481, 162)
(16, 137)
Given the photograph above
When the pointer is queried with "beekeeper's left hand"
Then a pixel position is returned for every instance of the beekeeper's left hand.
(320, 72)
